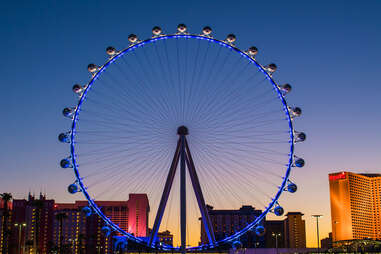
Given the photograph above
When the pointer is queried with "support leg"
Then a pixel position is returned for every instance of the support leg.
(164, 197)
(183, 208)
(200, 198)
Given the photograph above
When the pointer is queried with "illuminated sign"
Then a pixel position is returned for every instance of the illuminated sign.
(338, 176)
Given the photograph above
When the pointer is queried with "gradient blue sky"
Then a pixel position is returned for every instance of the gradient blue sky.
(328, 50)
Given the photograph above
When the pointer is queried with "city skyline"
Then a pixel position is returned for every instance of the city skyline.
(328, 51)
(78, 224)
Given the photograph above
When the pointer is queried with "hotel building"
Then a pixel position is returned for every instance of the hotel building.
(288, 233)
(295, 230)
(355, 206)
(227, 222)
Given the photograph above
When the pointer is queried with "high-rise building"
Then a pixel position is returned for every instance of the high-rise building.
(227, 222)
(138, 210)
(69, 227)
(30, 226)
(355, 206)
(295, 230)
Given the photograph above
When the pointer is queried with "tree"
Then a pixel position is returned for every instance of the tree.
(6, 197)
(61, 217)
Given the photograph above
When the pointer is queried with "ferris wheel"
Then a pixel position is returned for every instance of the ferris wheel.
(191, 121)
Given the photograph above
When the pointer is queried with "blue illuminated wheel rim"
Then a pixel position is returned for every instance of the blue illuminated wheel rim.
(267, 74)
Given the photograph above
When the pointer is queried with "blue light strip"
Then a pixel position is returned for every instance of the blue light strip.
(164, 246)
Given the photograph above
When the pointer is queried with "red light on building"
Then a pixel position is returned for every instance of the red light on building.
(338, 176)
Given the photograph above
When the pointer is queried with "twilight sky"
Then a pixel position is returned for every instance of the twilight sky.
(328, 51)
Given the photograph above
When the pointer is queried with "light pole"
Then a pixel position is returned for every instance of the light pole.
(317, 216)
(20, 226)
(276, 234)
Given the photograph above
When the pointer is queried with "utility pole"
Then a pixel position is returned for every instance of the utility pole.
(317, 216)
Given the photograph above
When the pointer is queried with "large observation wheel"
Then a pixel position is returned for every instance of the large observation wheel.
(187, 102)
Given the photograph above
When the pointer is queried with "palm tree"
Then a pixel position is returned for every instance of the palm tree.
(61, 217)
(6, 197)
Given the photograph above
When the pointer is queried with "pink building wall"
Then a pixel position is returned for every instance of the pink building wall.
(138, 209)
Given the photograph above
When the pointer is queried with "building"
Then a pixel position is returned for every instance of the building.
(18, 235)
(227, 222)
(326, 243)
(287, 233)
(163, 237)
(81, 232)
(38, 218)
(39, 225)
(69, 225)
(355, 206)
(295, 230)
(5, 226)
(275, 234)
(138, 210)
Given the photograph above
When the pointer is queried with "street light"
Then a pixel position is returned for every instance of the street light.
(317, 216)
(20, 226)
(276, 234)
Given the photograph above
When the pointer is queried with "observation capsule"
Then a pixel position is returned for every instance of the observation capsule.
(120, 243)
(133, 38)
(278, 210)
(68, 112)
(236, 245)
(92, 68)
(292, 188)
(207, 30)
(299, 163)
(77, 88)
(156, 31)
(110, 51)
(72, 188)
(106, 230)
(66, 163)
(182, 28)
(296, 111)
(252, 51)
(271, 68)
(87, 211)
(64, 137)
(300, 136)
(230, 38)
(286, 88)
(260, 230)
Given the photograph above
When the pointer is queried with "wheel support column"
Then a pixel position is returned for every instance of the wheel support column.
(183, 196)
(183, 154)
